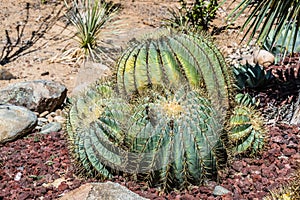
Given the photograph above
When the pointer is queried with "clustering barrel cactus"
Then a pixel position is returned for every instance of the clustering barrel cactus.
(163, 119)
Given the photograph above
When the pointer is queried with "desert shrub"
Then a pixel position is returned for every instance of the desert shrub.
(193, 17)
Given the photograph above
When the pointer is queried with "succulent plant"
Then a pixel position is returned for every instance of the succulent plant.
(287, 191)
(172, 60)
(246, 131)
(248, 76)
(178, 140)
(245, 99)
(172, 132)
(94, 126)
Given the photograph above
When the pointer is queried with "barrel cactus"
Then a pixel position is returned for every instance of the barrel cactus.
(94, 127)
(177, 140)
(246, 131)
(163, 119)
(171, 60)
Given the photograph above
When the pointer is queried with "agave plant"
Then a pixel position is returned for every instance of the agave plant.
(248, 76)
(271, 16)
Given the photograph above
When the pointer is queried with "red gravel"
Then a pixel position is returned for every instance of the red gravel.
(42, 159)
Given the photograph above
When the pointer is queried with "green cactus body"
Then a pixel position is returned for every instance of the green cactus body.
(95, 130)
(177, 140)
(172, 60)
(246, 132)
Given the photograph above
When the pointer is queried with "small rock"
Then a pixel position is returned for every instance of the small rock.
(51, 127)
(43, 114)
(5, 74)
(15, 121)
(59, 119)
(89, 73)
(219, 191)
(18, 176)
(263, 58)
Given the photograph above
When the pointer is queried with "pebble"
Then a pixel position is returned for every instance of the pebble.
(43, 114)
(51, 127)
(219, 191)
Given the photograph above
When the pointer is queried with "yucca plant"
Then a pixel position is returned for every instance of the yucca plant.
(171, 60)
(268, 16)
(90, 18)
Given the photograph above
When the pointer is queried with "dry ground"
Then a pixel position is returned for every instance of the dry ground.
(33, 34)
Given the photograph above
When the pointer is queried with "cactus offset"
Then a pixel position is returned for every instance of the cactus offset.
(94, 127)
(246, 131)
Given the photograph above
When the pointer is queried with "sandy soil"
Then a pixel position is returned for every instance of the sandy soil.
(33, 35)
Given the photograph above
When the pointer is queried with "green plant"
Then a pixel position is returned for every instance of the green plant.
(245, 99)
(170, 130)
(172, 59)
(94, 126)
(177, 140)
(248, 76)
(271, 15)
(287, 191)
(89, 17)
(277, 47)
(246, 131)
(164, 137)
(195, 17)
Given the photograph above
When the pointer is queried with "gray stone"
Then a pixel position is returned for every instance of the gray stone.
(101, 191)
(15, 121)
(89, 73)
(219, 191)
(51, 127)
(38, 96)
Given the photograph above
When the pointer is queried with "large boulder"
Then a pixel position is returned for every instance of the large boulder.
(15, 121)
(100, 191)
(38, 95)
